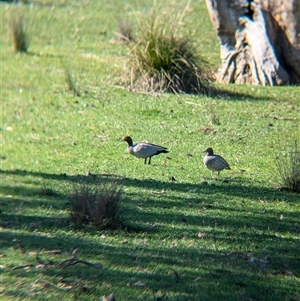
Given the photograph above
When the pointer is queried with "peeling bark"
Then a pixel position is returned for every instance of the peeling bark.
(260, 43)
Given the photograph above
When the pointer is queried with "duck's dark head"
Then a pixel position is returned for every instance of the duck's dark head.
(128, 140)
(209, 151)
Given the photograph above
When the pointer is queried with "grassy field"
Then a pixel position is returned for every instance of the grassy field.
(196, 238)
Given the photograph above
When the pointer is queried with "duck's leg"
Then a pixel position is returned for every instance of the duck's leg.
(149, 160)
(145, 161)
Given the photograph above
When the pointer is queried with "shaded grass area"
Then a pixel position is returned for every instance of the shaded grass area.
(179, 243)
(151, 267)
(288, 167)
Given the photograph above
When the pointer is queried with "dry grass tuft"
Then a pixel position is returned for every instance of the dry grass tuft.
(97, 205)
(47, 190)
(163, 59)
(70, 80)
(17, 29)
(125, 31)
(288, 169)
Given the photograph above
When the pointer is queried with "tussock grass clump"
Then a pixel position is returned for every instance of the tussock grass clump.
(161, 58)
(97, 205)
(125, 31)
(288, 168)
(17, 29)
(213, 117)
(71, 84)
(48, 190)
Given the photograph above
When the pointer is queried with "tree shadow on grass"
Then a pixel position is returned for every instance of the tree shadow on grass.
(200, 197)
(196, 195)
(248, 191)
(225, 94)
(147, 269)
(257, 251)
(243, 93)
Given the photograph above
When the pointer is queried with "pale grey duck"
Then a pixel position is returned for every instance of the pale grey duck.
(144, 149)
(214, 162)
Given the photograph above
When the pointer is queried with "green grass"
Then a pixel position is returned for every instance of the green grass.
(184, 240)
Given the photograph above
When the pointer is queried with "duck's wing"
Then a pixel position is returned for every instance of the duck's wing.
(145, 149)
(220, 162)
(157, 147)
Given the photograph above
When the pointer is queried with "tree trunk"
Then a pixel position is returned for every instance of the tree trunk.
(260, 40)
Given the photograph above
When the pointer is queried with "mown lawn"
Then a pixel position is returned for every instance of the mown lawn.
(195, 238)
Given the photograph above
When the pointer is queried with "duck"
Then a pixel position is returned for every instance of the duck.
(214, 162)
(144, 150)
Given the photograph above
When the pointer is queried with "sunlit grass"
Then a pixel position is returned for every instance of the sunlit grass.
(186, 236)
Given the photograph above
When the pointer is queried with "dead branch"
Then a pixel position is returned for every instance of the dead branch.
(69, 262)
(64, 264)
(73, 260)
(42, 263)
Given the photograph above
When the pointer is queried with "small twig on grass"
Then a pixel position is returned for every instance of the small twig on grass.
(111, 297)
(89, 174)
(39, 260)
(73, 260)
(42, 263)
(177, 275)
(64, 264)
(22, 266)
(193, 103)
(281, 118)
(22, 249)
(55, 252)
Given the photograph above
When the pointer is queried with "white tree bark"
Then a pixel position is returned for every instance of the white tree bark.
(260, 43)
